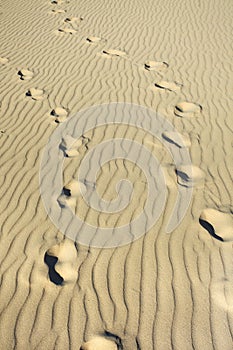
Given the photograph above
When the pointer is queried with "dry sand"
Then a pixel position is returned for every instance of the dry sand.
(163, 291)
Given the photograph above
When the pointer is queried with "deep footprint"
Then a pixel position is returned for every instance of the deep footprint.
(61, 259)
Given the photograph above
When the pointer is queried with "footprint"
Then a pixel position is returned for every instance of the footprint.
(56, 2)
(112, 52)
(72, 147)
(156, 66)
(72, 153)
(60, 114)
(177, 139)
(189, 175)
(99, 343)
(218, 224)
(4, 60)
(94, 39)
(67, 142)
(71, 193)
(36, 94)
(62, 257)
(67, 30)
(168, 85)
(67, 201)
(187, 109)
(25, 74)
(56, 12)
(74, 189)
(73, 20)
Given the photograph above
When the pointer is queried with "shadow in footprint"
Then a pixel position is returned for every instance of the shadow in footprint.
(114, 337)
(168, 85)
(113, 52)
(25, 74)
(53, 275)
(95, 39)
(66, 192)
(210, 229)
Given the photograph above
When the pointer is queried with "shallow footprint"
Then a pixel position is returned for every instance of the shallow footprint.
(168, 85)
(94, 39)
(113, 52)
(73, 20)
(187, 109)
(4, 60)
(25, 74)
(60, 114)
(156, 65)
(189, 175)
(99, 343)
(56, 12)
(56, 2)
(67, 30)
(36, 94)
(218, 224)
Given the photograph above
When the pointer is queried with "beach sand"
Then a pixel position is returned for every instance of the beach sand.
(163, 290)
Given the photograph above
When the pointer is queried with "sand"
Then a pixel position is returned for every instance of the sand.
(164, 290)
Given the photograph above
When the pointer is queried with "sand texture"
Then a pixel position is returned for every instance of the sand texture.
(164, 291)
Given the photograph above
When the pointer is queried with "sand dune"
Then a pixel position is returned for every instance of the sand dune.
(163, 291)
